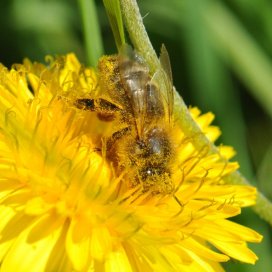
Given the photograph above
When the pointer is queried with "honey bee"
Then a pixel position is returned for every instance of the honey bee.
(142, 103)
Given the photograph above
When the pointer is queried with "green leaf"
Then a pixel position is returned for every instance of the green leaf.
(115, 17)
(245, 55)
(91, 29)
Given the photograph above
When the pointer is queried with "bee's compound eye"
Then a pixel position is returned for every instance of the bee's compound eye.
(156, 146)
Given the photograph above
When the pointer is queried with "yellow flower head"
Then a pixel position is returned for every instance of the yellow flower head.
(64, 207)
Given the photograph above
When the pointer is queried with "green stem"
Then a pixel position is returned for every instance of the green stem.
(137, 33)
(92, 35)
(141, 42)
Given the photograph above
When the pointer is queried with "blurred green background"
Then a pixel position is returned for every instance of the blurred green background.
(221, 54)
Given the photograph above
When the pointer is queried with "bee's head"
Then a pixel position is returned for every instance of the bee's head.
(155, 178)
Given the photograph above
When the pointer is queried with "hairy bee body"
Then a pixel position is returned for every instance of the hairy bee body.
(141, 147)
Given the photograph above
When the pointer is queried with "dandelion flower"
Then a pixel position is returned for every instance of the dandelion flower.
(61, 204)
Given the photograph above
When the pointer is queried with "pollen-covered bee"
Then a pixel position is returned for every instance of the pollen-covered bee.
(142, 104)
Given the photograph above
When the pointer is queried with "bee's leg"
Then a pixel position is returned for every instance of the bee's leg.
(111, 148)
(116, 136)
(105, 110)
(85, 104)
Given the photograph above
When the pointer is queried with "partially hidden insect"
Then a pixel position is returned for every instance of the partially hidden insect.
(142, 103)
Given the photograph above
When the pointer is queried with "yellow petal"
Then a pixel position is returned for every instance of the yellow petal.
(117, 261)
(30, 256)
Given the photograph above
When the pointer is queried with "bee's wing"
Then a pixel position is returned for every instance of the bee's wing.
(163, 77)
(134, 75)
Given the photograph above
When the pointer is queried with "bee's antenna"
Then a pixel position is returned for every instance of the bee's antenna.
(113, 10)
